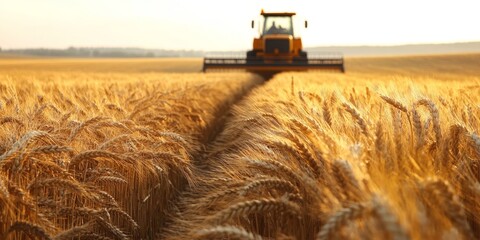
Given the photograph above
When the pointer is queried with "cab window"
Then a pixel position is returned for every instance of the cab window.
(278, 25)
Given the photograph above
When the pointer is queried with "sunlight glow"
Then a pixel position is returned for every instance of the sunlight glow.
(225, 25)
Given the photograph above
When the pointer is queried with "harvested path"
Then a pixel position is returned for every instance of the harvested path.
(209, 138)
(221, 117)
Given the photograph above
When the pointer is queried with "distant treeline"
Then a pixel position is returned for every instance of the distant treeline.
(412, 49)
(104, 52)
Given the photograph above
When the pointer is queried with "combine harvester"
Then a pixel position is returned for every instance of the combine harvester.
(276, 50)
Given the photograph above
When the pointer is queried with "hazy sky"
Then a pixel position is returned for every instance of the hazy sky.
(225, 24)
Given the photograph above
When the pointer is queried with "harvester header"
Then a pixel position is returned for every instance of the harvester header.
(277, 49)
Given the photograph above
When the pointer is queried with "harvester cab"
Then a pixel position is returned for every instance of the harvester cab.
(277, 49)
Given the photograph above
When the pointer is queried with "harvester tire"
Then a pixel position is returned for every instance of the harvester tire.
(251, 56)
(302, 55)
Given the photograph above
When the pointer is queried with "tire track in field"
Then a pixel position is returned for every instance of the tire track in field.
(221, 117)
(208, 139)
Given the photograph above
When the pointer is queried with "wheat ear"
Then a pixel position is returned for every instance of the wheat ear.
(3, 190)
(85, 124)
(395, 103)
(446, 198)
(110, 228)
(91, 154)
(226, 232)
(475, 142)
(417, 126)
(346, 178)
(270, 183)
(316, 166)
(133, 224)
(51, 149)
(4, 120)
(358, 118)
(327, 115)
(276, 167)
(380, 139)
(32, 230)
(398, 137)
(23, 142)
(246, 208)
(388, 220)
(74, 232)
(455, 137)
(432, 108)
(340, 217)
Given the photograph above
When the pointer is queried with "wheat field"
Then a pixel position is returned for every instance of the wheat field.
(109, 149)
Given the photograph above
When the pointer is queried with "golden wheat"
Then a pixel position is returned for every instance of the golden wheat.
(99, 142)
(376, 155)
(344, 172)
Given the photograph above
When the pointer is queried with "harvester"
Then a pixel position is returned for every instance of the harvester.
(277, 49)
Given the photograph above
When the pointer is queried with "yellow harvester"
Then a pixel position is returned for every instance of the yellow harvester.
(277, 49)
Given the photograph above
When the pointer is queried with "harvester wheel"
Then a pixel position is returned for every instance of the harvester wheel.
(302, 55)
(251, 56)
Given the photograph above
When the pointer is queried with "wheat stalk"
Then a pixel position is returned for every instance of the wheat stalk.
(56, 183)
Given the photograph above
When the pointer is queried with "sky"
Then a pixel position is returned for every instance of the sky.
(222, 25)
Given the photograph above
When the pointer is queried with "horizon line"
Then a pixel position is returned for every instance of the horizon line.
(197, 50)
